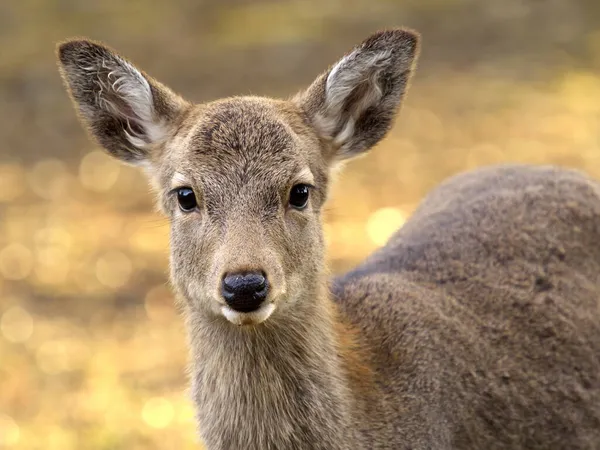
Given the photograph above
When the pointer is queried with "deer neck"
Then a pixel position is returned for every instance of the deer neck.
(281, 384)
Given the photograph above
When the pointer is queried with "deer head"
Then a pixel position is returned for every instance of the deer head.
(243, 180)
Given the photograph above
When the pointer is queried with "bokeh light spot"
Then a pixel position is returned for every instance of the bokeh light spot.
(9, 431)
(113, 269)
(186, 413)
(61, 439)
(16, 262)
(49, 179)
(53, 237)
(98, 171)
(383, 223)
(158, 412)
(152, 238)
(580, 91)
(52, 267)
(52, 250)
(16, 324)
(60, 356)
(51, 357)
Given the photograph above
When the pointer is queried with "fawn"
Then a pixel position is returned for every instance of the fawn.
(476, 327)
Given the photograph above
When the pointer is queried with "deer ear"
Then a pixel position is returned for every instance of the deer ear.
(353, 104)
(128, 112)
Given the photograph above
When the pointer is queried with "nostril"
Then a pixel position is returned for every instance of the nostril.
(245, 291)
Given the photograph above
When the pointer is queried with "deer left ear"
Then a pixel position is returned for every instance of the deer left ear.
(353, 105)
(125, 110)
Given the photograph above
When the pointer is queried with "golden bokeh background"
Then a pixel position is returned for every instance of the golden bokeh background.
(92, 350)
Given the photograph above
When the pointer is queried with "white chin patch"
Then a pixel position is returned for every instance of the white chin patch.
(248, 318)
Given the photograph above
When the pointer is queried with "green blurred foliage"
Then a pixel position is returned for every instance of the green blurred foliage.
(92, 350)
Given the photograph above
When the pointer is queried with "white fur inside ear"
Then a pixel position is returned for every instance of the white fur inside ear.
(125, 93)
(352, 72)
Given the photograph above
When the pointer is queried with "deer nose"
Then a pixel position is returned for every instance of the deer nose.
(244, 292)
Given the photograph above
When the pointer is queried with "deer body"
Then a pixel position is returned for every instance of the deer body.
(491, 294)
(476, 326)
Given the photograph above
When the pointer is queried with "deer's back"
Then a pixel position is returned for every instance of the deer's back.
(483, 313)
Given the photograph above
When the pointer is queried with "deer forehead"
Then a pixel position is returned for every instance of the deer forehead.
(242, 141)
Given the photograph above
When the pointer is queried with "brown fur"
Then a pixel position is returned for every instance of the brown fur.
(476, 327)
(353, 354)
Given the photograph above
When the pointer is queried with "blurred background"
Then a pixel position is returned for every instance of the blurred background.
(92, 350)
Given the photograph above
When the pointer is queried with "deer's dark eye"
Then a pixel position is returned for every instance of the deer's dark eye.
(299, 196)
(186, 199)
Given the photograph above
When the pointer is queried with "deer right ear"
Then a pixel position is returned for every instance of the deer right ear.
(128, 112)
(353, 105)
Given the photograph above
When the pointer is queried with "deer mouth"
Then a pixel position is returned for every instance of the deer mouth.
(254, 317)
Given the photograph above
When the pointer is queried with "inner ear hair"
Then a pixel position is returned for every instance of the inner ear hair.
(125, 110)
(353, 105)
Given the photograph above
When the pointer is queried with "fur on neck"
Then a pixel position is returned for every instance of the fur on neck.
(286, 383)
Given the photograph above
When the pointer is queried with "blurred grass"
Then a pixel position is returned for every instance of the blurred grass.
(92, 351)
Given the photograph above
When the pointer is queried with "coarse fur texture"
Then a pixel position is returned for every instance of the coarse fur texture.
(476, 327)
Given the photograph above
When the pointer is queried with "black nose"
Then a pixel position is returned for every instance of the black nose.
(244, 292)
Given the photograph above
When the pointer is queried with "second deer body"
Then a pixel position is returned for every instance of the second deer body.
(476, 327)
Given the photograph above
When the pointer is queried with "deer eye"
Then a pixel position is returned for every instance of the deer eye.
(299, 196)
(186, 199)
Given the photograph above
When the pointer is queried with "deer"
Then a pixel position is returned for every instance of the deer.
(476, 326)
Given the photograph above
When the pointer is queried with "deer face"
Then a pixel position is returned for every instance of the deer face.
(243, 180)
(243, 186)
